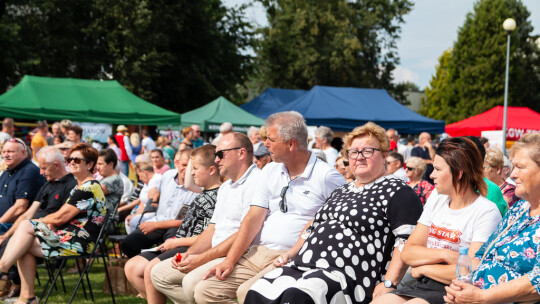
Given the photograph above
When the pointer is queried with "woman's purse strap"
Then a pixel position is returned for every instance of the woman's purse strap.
(488, 248)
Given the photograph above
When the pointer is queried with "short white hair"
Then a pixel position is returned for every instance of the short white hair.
(51, 155)
(252, 130)
(225, 127)
(291, 125)
(324, 132)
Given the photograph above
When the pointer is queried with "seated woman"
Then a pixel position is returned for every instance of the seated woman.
(493, 166)
(455, 215)
(343, 257)
(415, 168)
(509, 262)
(72, 230)
(151, 180)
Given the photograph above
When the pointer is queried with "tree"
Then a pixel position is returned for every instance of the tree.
(177, 54)
(334, 42)
(470, 79)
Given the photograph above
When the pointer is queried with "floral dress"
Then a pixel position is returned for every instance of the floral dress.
(515, 253)
(509, 194)
(423, 190)
(77, 236)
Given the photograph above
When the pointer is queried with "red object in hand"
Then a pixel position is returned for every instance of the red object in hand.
(178, 257)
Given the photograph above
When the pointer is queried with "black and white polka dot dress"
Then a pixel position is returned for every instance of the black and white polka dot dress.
(349, 248)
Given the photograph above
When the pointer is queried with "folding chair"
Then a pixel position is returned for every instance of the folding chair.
(100, 241)
(119, 238)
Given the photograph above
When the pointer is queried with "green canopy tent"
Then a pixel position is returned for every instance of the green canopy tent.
(210, 116)
(80, 100)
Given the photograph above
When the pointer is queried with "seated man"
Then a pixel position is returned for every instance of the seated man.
(234, 156)
(290, 191)
(394, 166)
(49, 199)
(111, 184)
(173, 195)
(20, 182)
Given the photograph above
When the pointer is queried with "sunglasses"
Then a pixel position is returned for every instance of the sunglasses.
(283, 203)
(76, 160)
(410, 168)
(219, 154)
(346, 163)
(19, 141)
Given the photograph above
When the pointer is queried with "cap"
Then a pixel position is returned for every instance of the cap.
(121, 128)
(261, 151)
(393, 144)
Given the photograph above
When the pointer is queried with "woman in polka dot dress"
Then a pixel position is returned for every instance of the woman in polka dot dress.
(345, 254)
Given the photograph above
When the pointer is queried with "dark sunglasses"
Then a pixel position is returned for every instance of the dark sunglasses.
(219, 154)
(76, 160)
(283, 203)
(16, 140)
(410, 168)
(346, 163)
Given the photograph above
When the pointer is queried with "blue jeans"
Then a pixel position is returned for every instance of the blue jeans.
(125, 167)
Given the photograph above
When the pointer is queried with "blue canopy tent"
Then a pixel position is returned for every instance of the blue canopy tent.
(270, 100)
(343, 109)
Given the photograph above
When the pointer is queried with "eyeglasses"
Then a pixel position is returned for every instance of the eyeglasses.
(410, 168)
(283, 203)
(219, 154)
(17, 140)
(76, 160)
(366, 152)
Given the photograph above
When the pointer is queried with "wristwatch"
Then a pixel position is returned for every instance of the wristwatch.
(389, 284)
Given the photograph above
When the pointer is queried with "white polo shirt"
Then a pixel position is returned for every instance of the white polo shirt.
(172, 197)
(305, 195)
(154, 182)
(232, 204)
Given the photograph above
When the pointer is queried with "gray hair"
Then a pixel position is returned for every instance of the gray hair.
(324, 132)
(252, 130)
(142, 158)
(418, 163)
(51, 154)
(291, 125)
(66, 123)
(225, 127)
(529, 142)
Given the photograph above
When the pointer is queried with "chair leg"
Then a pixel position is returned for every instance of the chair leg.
(58, 271)
(81, 279)
(37, 277)
(80, 274)
(88, 279)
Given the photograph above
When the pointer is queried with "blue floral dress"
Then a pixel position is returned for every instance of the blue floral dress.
(77, 236)
(515, 253)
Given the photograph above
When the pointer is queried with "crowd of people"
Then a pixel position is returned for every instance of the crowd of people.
(277, 217)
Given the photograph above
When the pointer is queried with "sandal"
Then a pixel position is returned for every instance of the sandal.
(32, 300)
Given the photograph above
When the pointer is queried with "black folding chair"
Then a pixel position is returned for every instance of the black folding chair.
(100, 242)
(119, 238)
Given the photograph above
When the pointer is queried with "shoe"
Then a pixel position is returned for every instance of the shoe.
(14, 292)
(32, 300)
(4, 287)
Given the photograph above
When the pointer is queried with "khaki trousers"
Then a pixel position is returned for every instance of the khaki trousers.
(252, 266)
(176, 285)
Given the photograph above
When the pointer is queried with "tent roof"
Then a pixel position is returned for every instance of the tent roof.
(80, 100)
(519, 121)
(270, 100)
(343, 109)
(210, 116)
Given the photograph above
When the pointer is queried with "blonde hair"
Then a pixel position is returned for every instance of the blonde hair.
(144, 166)
(370, 129)
(531, 142)
(262, 133)
(494, 158)
(418, 163)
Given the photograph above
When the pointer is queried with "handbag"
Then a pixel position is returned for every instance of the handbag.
(119, 281)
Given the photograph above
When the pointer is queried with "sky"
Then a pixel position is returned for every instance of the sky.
(428, 30)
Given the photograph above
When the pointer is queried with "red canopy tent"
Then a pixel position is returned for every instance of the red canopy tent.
(520, 120)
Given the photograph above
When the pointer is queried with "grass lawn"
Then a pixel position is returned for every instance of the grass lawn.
(97, 279)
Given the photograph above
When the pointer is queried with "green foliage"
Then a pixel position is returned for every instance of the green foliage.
(334, 42)
(177, 54)
(470, 79)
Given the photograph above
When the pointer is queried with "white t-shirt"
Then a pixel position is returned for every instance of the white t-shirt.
(172, 197)
(304, 196)
(331, 156)
(232, 204)
(451, 229)
(128, 187)
(148, 144)
(154, 182)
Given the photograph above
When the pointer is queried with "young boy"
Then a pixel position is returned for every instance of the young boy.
(205, 173)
